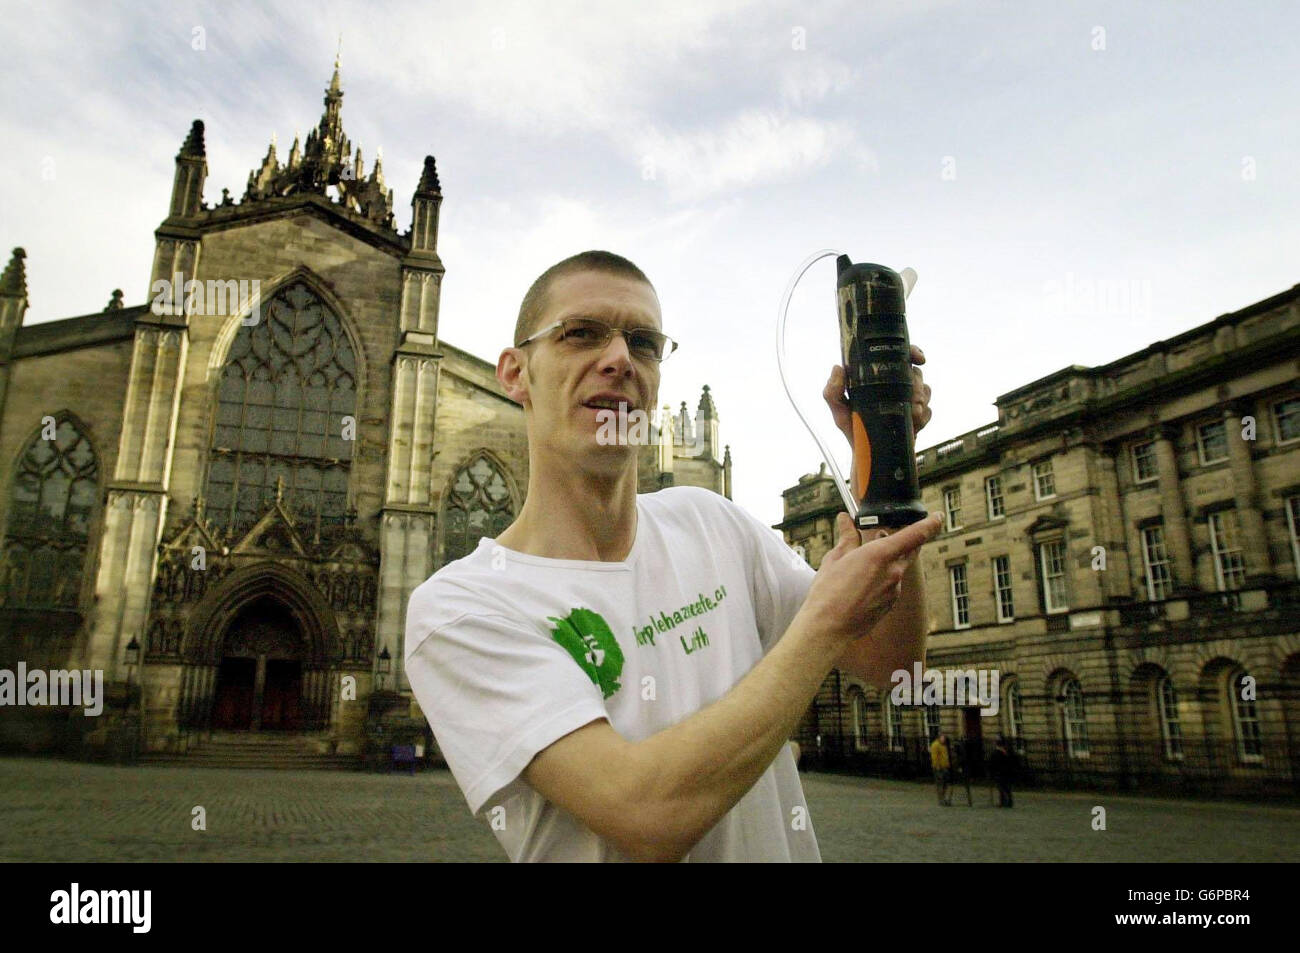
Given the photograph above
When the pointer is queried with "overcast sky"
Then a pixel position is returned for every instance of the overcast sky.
(1007, 152)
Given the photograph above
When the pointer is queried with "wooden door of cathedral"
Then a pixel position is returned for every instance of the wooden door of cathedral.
(281, 694)
(232, 706)
(259, 681)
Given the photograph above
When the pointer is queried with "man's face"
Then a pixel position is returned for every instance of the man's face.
(559, 378)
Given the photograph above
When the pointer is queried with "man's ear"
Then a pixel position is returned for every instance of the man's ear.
(512, 374)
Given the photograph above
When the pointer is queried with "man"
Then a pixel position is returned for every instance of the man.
(616, 676)
(941, 762)
(1001, 766)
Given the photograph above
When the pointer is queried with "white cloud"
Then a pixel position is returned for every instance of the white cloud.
(755, 147)
(806, 80)
(539, 69)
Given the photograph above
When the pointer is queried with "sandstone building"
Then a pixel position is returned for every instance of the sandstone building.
(223, 497)
(1122, 547)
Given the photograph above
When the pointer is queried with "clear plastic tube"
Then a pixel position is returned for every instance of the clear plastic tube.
(850, 504)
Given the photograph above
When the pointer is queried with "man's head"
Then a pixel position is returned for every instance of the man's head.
(554, 379)
(534, 305)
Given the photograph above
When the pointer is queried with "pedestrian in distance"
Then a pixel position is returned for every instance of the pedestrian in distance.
(1002, 766)
(941, 762)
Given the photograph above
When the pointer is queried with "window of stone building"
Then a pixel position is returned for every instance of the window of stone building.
(1044, 480)
(893, 723)
(799, 550)
(860, 735)
(1293, 529)
(1051, 566)
(933, 722)
(1245, 718)
(1002, 588)
(1015, 716)
(1171, 730)
(993, 496)
(1075, 719)
(479, 505)
(1144, 462)
(1229, 563)
(1286, 416)
(1156, 560)
(960, 596)
(952, 507)
(286, 417)
(1212, 442)
(50, 507)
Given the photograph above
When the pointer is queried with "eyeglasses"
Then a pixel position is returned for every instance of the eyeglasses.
(588, 333)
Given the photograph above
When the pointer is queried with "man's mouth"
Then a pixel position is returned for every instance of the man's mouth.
(620, 406)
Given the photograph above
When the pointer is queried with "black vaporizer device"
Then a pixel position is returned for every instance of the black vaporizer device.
(878, 370)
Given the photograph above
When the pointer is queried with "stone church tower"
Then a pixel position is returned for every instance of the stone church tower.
(223, 497)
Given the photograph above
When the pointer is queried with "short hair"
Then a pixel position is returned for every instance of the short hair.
(534, 303)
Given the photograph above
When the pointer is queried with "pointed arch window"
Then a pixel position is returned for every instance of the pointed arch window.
(286, 410)
(50, 508)
(478, 506)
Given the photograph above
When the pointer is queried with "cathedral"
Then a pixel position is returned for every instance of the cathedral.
(222, 498)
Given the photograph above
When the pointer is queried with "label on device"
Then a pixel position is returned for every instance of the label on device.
(868, 520)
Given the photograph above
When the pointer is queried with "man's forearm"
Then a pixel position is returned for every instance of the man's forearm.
(692, 774)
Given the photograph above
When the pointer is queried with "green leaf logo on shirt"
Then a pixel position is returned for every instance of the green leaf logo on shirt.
(588, 638)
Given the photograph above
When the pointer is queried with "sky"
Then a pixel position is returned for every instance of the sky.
(1071, 181)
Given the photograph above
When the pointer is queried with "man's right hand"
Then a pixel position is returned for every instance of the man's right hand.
(859, 581)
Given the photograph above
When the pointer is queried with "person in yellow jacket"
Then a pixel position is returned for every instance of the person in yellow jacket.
(941, 762)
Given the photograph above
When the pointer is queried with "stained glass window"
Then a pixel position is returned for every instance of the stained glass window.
(286, 409)
(49, 521)
(479, 506)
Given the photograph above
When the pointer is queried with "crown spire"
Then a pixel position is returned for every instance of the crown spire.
(326, 163)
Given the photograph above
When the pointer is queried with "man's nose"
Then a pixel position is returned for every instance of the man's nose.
(616, 354)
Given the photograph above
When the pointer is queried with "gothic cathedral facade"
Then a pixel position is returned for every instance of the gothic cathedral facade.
(222, 498)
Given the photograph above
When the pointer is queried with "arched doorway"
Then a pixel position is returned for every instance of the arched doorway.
(260, 675)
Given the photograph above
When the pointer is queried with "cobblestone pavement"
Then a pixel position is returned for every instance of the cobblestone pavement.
(64, 811)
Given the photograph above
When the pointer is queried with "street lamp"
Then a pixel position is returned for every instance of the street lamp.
(385, 663)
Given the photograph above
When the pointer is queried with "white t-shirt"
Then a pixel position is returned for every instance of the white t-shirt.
(508, 652)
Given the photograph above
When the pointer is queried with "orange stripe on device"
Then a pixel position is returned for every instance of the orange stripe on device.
(861, 455)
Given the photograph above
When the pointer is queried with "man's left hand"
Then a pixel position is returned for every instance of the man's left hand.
(838, 401)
